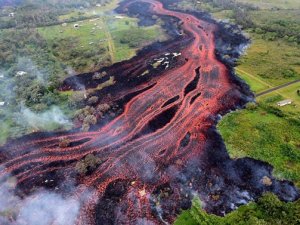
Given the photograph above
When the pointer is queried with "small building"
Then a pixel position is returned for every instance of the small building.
(64, 24)
(11, 14)
(21, 73)
(76, 25)
(2, 103)
(98, 5)
(284, 102)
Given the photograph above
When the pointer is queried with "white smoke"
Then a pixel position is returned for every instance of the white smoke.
(54, 117)
(28, 66)
(45, 208)
(40, 208)
(143, 221)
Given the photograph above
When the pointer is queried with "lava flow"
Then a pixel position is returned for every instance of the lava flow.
(162, 149)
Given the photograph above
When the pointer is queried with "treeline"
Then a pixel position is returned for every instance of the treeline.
(287, 30)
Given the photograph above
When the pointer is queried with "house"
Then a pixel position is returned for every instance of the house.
(2, 103)
(11, 14)
(284, 102)
(20, 73)
(98, 5)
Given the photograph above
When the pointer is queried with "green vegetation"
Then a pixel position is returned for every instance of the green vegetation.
(49, 12)
(274, 4)
(267, 133)
(98, 42)
(44, 42)
(269, 63)
(89, 162)
(267, 211)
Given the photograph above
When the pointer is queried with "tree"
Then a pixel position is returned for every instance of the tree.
(92, 100)
(64, 143)
(89, 162)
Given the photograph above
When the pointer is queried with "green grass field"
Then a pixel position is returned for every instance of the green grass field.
(289, 92)
(104, 32)
(271, 4)
(269, 62)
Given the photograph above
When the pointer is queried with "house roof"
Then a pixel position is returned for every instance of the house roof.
(284, 102)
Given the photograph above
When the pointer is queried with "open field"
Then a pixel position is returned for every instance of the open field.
(104, 32)
(270, 4)
(270, 62)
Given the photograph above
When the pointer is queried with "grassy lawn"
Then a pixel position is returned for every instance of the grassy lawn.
(85, 32)
(289, 92)
(257, 85)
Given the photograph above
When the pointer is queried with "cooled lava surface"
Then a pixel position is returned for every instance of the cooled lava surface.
(162, 149)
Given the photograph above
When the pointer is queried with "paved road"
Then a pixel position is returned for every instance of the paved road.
(277, 88)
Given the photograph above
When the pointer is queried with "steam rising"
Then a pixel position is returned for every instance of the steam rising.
(45, 207)
(40, 208)
(44, 120)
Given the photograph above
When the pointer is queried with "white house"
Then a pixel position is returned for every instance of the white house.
(284, 102)
(21, 73)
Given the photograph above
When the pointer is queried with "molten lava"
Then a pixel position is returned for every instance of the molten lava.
(162, 149)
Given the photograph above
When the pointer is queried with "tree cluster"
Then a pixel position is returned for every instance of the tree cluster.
(89, 162)
(268, 210)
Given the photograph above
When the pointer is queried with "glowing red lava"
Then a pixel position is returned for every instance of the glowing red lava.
(147, 150)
